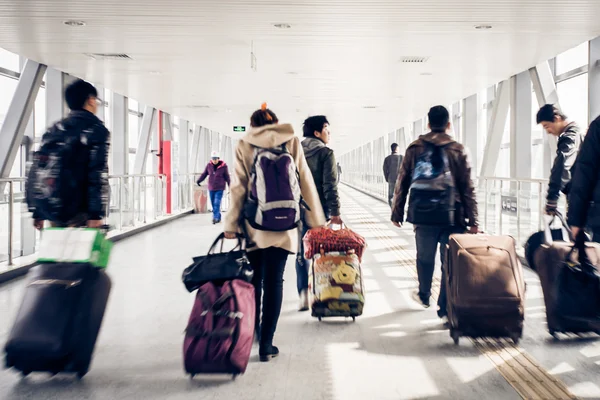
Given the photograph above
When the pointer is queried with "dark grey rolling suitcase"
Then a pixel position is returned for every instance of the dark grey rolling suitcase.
(58, 323)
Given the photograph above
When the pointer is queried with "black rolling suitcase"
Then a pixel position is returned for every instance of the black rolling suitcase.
(58, 323)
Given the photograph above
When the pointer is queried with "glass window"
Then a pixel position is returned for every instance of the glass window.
(572, 59)
(40, 113)
(537, 132)
(537, 164)
(133, 105)
(573, 99)
(133, 127)
(503, 166)
(9, 60)
(7, 90)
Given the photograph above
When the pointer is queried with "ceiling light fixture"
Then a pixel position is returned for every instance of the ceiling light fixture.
(483, 27)
(426, 74)
(282, 26)
(155, 73)
(369, 107)
(74, 23)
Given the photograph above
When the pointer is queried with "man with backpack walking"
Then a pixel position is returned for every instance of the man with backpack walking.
(68, 181)
(436, 176)
(324, 169)
(391, 168)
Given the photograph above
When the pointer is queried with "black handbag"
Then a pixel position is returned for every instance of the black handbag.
(547, 236)
(219, 267)
(578, 286)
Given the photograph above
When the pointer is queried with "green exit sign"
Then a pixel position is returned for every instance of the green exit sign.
(239, 129)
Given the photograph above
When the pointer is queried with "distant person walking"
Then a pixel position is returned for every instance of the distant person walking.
(218, 179)
(391, 169)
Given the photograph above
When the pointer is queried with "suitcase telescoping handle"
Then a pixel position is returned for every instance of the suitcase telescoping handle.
(241, 244)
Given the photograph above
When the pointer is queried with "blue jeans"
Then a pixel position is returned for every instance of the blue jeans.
(215, 199)
(428, 238)
(302, 264)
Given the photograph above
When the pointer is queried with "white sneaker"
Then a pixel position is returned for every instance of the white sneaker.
(303, 306)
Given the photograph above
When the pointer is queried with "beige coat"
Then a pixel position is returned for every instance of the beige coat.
(271, 136)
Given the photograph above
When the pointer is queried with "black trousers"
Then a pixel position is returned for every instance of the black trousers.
(269, 266)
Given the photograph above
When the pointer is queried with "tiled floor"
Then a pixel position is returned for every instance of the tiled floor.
(394, 351)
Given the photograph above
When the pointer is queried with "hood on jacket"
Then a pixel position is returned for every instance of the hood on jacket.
(220, 164)
(311, 145)
(437, 138)
(270, 136)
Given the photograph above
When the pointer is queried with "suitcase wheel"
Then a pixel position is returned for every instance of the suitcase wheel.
(455, 336)
(234, 376)
(515, 338)
(25, 374)
(554, 334)
(320, 318)
(192, 376)
(353, 319)
(81, 374)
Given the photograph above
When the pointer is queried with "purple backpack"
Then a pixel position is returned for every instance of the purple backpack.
(275, 199)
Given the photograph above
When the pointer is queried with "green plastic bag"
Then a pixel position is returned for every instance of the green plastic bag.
(75, 245)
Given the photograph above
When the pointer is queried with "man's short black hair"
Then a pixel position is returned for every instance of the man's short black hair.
(394, 147)
(314, 123)
(548, 112)
(439, 117)
(78, 92)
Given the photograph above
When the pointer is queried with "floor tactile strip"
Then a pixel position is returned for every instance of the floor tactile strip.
(521, 371)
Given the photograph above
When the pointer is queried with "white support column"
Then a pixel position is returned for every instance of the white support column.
(496, 131)
(545, 91)
(456, 122)
(101, 109)
(403, 141)
(120, 134)
(143, 146)
(594, 80)
(205, 149)
(417, 129)
(167, 127)
(56, 83)
(470, 132)
(194, 150)
(18, 114)
(520, 127)
(184, 146)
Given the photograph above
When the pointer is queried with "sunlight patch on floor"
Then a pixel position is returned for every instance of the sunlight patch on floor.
(467, 369)
(362, 375)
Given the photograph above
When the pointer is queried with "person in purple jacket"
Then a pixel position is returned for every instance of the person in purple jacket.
(218, 178)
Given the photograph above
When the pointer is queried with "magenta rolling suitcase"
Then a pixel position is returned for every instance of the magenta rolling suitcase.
(220, 330)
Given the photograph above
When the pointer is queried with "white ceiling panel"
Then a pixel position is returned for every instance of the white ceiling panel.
(336, 58)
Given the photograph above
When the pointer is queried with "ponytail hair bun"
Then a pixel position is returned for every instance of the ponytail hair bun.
(263, 117)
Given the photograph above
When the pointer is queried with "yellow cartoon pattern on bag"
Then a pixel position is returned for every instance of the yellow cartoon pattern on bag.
(336, 277)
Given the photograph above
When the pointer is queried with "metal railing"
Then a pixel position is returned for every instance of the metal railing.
(506, 205)
(134, 200)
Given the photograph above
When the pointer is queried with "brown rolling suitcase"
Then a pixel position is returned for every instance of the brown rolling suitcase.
(550, 259)
(485, 287)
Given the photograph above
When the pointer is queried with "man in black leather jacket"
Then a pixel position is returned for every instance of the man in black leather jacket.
(569, 141)
(324, 169)
(584, 197)
(82, 99)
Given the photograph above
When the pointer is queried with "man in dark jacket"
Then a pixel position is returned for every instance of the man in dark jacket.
(218, 179)
(569, 141)
(322, 164)
(584, 196)
(429, 236)
(391, 168)
(92, 143)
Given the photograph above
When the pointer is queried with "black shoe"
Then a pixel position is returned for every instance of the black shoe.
(218, 221)
(267, 352)
(214, 221)
(417, 298)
